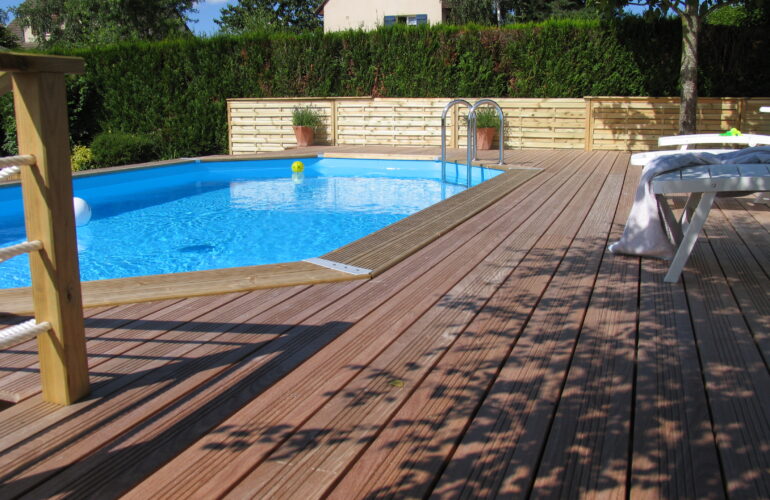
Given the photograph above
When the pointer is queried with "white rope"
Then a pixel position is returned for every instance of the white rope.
(10, 161)
(8, 171)
(21, 332)
(14, 250)
(11, 165)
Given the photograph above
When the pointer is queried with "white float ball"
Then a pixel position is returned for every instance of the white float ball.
(82, 211)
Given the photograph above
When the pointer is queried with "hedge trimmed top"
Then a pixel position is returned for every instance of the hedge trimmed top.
(177, 90)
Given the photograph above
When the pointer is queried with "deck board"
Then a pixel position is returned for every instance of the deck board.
(587, 446)
(415, 296)
(306, 468)
(411, 450)
(511, 356)
(736, 377)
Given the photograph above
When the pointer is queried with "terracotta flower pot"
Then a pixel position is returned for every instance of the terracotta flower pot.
(304, 135)
(484, 137)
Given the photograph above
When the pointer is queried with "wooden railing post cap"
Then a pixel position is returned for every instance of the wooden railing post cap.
(14, 61)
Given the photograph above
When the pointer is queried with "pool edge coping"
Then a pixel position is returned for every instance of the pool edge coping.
(117, 291)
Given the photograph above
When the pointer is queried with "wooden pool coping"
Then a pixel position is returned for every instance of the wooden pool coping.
(374, 253)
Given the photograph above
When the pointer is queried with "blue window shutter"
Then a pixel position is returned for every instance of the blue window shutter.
(422, 18)
(390, 20)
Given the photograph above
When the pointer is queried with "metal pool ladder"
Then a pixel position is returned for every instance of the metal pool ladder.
(471, 149)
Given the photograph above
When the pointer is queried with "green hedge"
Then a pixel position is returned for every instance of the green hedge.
(121, 148)
(176, 91)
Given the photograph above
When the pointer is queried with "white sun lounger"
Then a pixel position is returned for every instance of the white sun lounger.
(702, 183)
(685, 141)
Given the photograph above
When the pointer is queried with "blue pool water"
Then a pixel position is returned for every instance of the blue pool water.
(204, 215)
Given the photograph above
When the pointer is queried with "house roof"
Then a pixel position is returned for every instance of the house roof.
(18, 32)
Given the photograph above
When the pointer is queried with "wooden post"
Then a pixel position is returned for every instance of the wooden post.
(589, 125)
(334, 121)
(41, 119)
(742, 107)
(229, 129)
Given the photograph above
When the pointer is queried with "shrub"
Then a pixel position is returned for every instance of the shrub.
(82, 158)
(112, 149)
(305, 116)
(486, 117)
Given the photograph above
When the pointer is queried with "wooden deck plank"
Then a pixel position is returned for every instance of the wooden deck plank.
(24, 354)
(170, 316)
(500, 451)
(186, 285)
(674, 453)
(587, 448)
(760, 211)
(116, 364)
(307, 464)
(158, 389)
(381, 250)
(105, 382)
(26, 383)
(341, 362)
(412, 449)
(134, 366)
(746, 276)
(735, 375)
(748, 225)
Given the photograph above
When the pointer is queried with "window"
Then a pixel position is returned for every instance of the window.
(409, 20)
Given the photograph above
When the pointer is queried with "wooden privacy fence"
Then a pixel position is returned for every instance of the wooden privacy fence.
(591, 123)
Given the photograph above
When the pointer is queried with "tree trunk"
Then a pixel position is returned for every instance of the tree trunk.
(688, 73)
(499, 13)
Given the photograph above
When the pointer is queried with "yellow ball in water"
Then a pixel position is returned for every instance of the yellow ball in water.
(297, 166)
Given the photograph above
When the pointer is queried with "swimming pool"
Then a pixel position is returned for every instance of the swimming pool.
(208, 215)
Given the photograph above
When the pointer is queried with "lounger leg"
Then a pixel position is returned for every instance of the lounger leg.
(690, 236)
(673, 226)
(689, 208)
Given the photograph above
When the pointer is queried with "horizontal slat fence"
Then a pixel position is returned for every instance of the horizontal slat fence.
(591, 123)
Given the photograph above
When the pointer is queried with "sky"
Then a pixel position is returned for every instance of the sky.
(207, 12)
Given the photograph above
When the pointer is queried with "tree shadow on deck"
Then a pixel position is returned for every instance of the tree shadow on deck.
(181, 401)
(587, 380)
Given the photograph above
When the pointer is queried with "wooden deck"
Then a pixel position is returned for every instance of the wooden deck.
(512, 356)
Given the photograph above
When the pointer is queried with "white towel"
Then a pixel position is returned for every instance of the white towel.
(644, 233)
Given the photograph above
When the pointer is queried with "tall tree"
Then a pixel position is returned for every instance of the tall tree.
(476, 11)
(691, 13)
(250, 15)
(490, 12)
(7, 39)
(90, 22)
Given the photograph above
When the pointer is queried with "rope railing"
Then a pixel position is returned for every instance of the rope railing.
(21, 332)
(9, 171)
(18, 249)
(9, 161)
(10, 165)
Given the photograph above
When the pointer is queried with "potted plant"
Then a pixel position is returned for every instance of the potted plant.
(487, 123)
(305, 119)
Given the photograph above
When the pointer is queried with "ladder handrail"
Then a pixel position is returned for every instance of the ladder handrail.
(471, 149)
(501, 133)
(443, 132)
